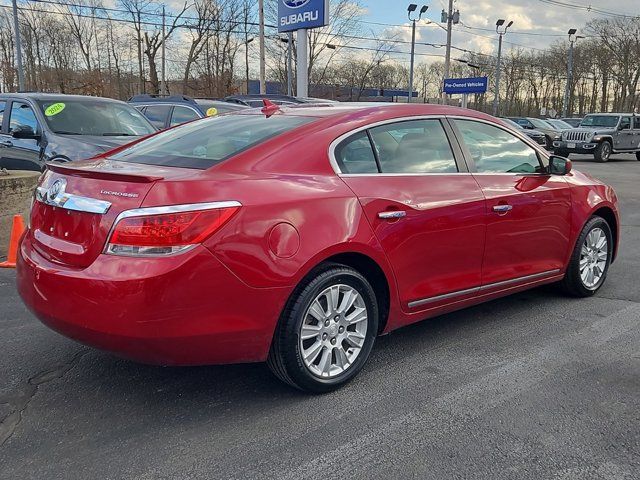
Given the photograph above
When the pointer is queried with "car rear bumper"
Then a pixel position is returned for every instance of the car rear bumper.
(183, 310)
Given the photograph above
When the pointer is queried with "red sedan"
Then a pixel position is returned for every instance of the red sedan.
(296, 235)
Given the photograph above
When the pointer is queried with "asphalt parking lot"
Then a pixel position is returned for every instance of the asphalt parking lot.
(536, 385)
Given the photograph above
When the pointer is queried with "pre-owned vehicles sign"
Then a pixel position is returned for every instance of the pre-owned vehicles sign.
(297, 14)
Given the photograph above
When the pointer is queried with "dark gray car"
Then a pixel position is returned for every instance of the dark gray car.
(39, 127)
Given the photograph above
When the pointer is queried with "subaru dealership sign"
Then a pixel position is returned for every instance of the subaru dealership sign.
(298, 14)
(465, 85)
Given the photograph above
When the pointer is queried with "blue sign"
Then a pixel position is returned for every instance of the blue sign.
(465, 85)
(297, 14)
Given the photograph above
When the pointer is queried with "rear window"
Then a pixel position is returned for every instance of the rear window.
(207, 142)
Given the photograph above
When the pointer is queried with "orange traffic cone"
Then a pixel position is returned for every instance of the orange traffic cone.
(16, 232)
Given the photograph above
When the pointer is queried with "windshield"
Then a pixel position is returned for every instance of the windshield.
(559, 124)
(207, 142)
(513, 124)
(541, 123)
(610, 121)
(94, 117)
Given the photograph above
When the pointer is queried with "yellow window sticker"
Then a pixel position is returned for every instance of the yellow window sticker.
(54, 109)
(212, 112)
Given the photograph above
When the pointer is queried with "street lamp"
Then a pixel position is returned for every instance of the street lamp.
(412, 8)
(289, 42)
(247, 41)
(501, 30)
(572, 39)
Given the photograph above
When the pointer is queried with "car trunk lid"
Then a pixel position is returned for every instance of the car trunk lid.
(77, 204)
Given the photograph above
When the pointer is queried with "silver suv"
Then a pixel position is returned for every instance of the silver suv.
(602, 134)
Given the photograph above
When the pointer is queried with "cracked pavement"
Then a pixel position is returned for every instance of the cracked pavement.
(535, 385)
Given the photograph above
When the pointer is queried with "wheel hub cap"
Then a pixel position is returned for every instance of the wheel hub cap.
(333, 331)
(593, 258)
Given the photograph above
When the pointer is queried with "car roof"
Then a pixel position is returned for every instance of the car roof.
(611, 114)
(55, 96)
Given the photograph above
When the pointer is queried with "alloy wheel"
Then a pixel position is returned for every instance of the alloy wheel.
(593, 258)
(333, 331)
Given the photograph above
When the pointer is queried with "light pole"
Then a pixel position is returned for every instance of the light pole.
(567, 91)
(501, 32)
(247, 41)
(263, 70)
(412, 8)
(289, 42)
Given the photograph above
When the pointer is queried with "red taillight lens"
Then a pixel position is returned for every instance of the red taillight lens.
(166, 233)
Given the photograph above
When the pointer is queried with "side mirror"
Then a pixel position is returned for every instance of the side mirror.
(24, 132)
(559, 165)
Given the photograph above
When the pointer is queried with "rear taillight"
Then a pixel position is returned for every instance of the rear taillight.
(159, 231)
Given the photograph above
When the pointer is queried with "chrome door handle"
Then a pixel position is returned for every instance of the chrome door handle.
(502, 208)
(391, 214)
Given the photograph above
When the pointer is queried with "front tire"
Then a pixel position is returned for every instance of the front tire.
(590, 260)
(602, 152)
(638, 156)
(326, 331)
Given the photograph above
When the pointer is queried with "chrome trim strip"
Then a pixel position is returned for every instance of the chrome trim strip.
(73, 202)
(504, 283)
(392, 214)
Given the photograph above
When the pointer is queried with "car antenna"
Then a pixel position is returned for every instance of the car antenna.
(269, 107)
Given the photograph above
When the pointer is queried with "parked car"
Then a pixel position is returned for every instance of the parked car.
(559, 125)
(256, 100)
(529, 123)
(602, 134)
(169, 111)
(40, 127)
(204, 244)
(574, 122)
(536, 135)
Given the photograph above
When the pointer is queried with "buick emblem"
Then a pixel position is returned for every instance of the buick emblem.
(56, 189)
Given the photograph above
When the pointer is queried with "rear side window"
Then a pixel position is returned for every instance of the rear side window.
(2, 107)
(182, 115)
(355, 155)
(416, 146)
(157, 115)
(208, 142)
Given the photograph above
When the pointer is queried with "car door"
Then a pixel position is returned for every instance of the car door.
(635, 133)
(623, 138)
(424, 207)
(528, 212)
(20, 153)
(158, 115)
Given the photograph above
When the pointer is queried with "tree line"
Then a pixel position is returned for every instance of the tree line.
(85, 47)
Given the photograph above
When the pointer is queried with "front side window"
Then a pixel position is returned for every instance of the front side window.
(355, 155)
(495, 150)
(182, 115)
(625, 123)
(208, 142)
(22, 116)
(415, 146)
(69, 116)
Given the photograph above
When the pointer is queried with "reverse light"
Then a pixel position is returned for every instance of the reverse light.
(161, 231)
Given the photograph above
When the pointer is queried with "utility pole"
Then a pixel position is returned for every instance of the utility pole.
(573, 38)
(247, 41)
(501, 33)
(16, 27)
(263, 81)
(412, 8)
(447, 56)
(163, 88)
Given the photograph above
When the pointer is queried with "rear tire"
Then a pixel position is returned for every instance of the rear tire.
(638, 156)
(326, 331)
(589, 264)
(602, 152)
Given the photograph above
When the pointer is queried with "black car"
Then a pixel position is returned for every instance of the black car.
(169, 111)
(40, 127)
(574, 121)
(536, 135)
